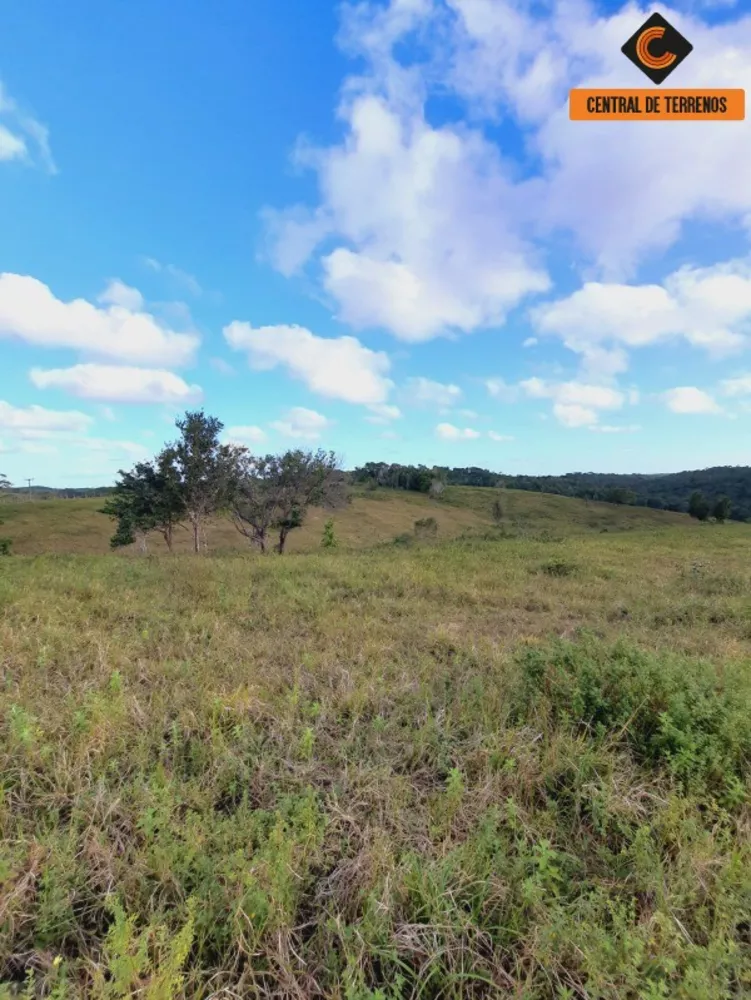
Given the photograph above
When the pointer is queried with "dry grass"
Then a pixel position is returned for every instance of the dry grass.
(496, 766)
(75, 526)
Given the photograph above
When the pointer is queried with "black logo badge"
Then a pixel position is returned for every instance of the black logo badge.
(657, 48)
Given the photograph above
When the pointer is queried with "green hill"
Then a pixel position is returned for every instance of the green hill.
(75, 526)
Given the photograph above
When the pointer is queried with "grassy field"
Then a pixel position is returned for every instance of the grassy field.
(75, 526)
(513, 764)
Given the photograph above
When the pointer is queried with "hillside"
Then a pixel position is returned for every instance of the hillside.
(75, 526)
(669, 491)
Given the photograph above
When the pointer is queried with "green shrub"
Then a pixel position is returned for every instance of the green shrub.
(558, 567)
(5, 545)
(672, 711)
(404, 540)
(328, 541)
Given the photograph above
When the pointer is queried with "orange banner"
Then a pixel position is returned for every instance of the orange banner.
(657, 105)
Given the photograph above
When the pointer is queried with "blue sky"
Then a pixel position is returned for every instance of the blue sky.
(371, 228)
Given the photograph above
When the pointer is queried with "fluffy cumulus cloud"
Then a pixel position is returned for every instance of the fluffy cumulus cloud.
(22, 137)
(115, 384)
(689, 399)
(36, 421)
(447, 432)
(30, 312)
(424, 226)
(421, 391)
(301, 424)
(708, 307)
(335, 367)
(622, 191)
(575, 404)
(117, 293)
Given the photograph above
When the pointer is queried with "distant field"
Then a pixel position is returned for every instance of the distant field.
(74, 526)
(515, 764)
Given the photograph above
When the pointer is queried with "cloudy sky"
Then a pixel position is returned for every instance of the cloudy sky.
(368, 226)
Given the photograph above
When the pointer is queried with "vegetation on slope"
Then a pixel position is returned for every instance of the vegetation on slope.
(670, 491)
(76, 526)
(487, 768)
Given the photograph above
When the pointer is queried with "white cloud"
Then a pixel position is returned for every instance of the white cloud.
(383, 413)
(495, 436)
(22, 137)
(425, 392)
(708, 307)
(117, 293)
(425, 229)
(619, 187)
(575, 404)
(115, 384)
(450, 433)
(30, 312)
(427, 220)
(35, 421)
(738, 386)
(245, 435)
(186, 281)
(301, 424)
(498, 388)
(12, 147)
(689, 399)
(530, 342)
(338, 368)
(469, 414)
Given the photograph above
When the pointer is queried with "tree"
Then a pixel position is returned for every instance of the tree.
(4, 482)
(721, 509)
(698, 506)
(202, 470)
(144, 500)
(273, 493)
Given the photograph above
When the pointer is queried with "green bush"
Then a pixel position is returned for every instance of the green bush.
(5, 545)
(328, 540)
(558, 567)
(670, 710)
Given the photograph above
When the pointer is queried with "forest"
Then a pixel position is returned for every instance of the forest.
(667, 491)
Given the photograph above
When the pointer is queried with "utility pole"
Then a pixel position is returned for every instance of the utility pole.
(29, 481)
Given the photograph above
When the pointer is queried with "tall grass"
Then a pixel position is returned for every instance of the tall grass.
(439, 771)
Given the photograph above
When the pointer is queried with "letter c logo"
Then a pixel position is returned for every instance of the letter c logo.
(642, 49)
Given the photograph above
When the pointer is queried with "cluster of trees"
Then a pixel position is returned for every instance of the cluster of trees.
(668, 491)
(730, 485)
(422, 478)
(197, 477)
(700, 508)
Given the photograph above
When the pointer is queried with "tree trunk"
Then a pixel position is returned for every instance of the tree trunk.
(196, 535)
(142, 542)
(282, 539)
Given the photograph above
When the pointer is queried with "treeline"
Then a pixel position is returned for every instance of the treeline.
(669, 491)
(422, 478)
